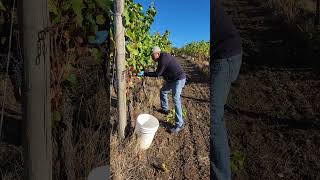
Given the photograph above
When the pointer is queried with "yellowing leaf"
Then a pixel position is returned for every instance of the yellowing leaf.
(132, 50)
(163, 167)
(52, 7)
(100, 19)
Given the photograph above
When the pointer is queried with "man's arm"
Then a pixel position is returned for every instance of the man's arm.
(160, 69)
(150, 74)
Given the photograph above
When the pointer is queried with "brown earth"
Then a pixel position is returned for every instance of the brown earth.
(273, 118)
(185, 154)
(273, 113)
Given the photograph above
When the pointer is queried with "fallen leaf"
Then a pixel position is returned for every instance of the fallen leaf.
(163, 167)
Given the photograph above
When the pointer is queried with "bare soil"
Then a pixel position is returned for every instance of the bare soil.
(186, 154)
(273, 113)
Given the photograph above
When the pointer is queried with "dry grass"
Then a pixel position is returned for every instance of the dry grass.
(80, 143)
(202, 66)
(83, 147)
(11, 102)
(11, 158)
(291, 9)
(82, 140)
(126, 157)
(309, 6)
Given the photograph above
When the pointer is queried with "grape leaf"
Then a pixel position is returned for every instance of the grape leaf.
(100, 19)
(52, 7)
(77, 6)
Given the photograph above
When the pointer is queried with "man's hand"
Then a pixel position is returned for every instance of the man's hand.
(141, 73)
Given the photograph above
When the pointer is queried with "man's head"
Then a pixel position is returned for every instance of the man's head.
(155, 53)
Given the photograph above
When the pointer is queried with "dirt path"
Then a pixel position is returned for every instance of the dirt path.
(185, 154)
(273, 114)
(268, 40)
(196, 99)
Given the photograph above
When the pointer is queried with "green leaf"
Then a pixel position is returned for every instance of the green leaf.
(126, 17)
(139, 6)
(139, 45)
(237, 161)
(52, 7)
(77, 6)
(100, 19)
(2, 7)
(130, 35)
(132, 50)
(56, 20)
(139, 40)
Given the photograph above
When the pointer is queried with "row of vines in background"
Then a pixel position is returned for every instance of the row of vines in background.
(199, 50)
(198, 53)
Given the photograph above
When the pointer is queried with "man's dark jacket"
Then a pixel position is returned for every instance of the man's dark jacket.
(226, 41)
(169, 68)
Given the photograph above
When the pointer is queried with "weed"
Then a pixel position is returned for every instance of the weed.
(170, 118)
(237, 161)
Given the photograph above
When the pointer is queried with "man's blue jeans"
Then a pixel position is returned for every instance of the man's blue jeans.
(176, 87)
(222, 73)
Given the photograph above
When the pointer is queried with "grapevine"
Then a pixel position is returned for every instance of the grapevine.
(199, 50)
(139, 40)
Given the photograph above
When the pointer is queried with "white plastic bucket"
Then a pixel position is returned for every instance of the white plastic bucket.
(146, 127)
